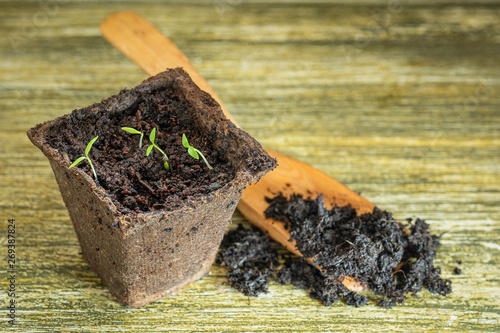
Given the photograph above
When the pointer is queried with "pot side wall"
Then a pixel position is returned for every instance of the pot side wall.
(142, 264)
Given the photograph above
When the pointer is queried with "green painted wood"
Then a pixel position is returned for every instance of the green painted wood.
(400, 103)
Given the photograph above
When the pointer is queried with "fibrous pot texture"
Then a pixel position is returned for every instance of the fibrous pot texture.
(147, 231)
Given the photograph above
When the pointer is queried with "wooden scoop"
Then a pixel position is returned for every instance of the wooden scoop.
(153, 52)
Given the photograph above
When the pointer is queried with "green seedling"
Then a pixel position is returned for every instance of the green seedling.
(193, 151)
(86, 157)
(150, 148)
(134, 131)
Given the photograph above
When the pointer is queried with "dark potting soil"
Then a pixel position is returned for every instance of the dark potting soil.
(135, 182)
(368, 247)
(250, 260)
(327, 289)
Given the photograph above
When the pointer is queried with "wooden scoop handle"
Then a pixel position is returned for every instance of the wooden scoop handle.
(153, 52)
(150, 49)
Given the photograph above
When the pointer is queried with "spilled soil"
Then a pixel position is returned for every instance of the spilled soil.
(250, 260)
(391, 259)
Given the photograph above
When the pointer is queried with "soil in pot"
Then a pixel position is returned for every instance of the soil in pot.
(140, 183)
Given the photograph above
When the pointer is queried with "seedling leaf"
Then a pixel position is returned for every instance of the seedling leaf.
(193, 153)
(131, 130)
(87, 150)
(185, 142)
(134, 131)
(86, 157)
(78, 160)
(152, 135)
(153, 145)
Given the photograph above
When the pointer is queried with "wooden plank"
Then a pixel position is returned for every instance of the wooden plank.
(403, 108)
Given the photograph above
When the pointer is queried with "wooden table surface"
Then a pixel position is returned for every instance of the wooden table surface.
(397, 99)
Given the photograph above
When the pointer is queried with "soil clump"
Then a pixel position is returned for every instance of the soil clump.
(389, 258)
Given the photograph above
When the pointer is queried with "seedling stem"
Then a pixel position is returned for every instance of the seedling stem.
(86, 157)
(150, 148)
(193, 151)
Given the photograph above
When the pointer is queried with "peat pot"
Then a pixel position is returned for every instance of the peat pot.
(146, 230)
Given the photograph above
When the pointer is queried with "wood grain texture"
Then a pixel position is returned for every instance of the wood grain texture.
(401, 104)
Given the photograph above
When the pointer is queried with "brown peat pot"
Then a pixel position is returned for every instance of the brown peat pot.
(145, 230)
